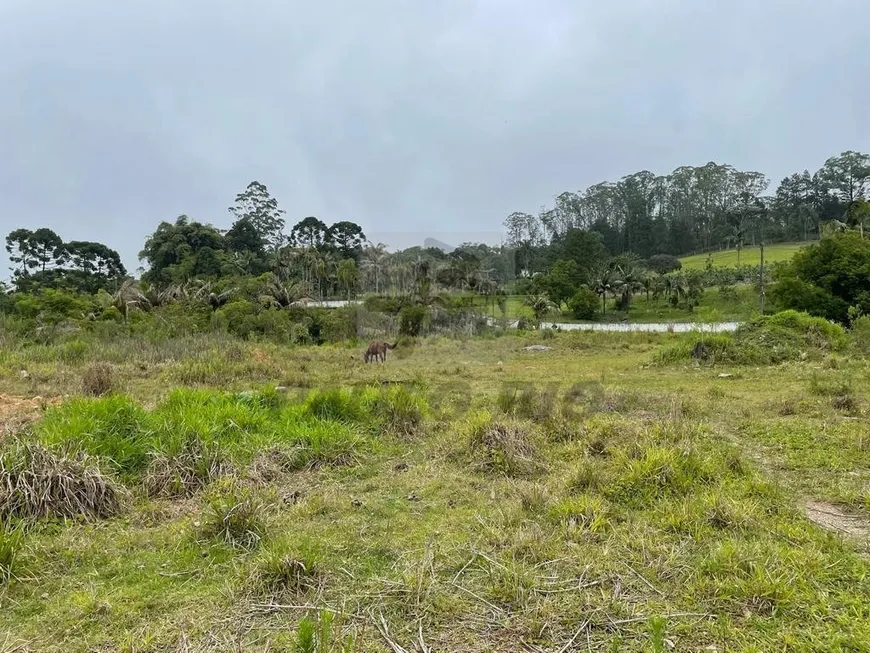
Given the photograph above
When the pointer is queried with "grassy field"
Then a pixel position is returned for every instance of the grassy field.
(468, 495)
(748, 256)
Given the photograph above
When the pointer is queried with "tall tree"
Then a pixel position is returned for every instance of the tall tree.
(260, 209)
(523, 234)
(95, 258)
(183, 250)
(847, 175)
(309, 232)
(347, 238)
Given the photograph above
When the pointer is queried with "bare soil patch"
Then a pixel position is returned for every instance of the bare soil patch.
(830, 516)
(16, 412)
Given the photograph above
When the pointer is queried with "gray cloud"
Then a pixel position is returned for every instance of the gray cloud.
(402, 115)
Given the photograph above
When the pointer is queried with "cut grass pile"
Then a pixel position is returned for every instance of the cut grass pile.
(515, 501)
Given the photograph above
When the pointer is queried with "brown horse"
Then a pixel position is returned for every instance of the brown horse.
(378, 351)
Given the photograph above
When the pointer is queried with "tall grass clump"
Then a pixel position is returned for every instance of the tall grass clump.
(284, 568)
(707, 348)
(400, 411)
(660, 471)
(98, 380)
(501, 446)
(318, 443)
(337, 404)
(318, 633)
(113, 428)
(184, 471)
(527, 402)
(11, 546)
(236, 517)
(768, 340)
(36, 482)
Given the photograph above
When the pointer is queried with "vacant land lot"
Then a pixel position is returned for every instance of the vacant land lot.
(468, 495)
(748, 256)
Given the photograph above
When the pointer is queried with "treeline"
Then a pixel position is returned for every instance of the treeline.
(704, 208)
(42, 259)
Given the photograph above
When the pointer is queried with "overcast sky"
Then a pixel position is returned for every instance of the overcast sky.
(401, 114)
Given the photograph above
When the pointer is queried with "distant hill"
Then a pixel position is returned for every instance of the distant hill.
(748, 256)
(444, 247)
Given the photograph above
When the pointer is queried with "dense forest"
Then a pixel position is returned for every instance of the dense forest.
(612, 241)
(694, 209)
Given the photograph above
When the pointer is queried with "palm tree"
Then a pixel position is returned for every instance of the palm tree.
(281, 294)
(374, 260)
(648, 281)
(541, 306)
(126, 297)
(348, 275)
(627, 280)
(601, 284)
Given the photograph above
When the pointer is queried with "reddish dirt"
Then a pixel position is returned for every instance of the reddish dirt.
(16, 412)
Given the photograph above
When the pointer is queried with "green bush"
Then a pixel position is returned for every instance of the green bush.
(584, 305)
(767, 340)
(411, 319)
(828, 277)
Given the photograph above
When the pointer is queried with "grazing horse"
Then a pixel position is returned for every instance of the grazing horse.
(378, 351)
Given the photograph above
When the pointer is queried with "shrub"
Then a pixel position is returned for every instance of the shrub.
(828, 277)
(860, 334)
(584, 305)
(501, 447)
(98, 380)
(36, 483)
(236, 518)
(663, 263)
(411, 319)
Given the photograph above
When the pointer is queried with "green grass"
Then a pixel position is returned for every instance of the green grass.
(748, 256)
(468, 490)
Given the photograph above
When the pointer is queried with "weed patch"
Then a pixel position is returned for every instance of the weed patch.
(502, 447)
(235, 517)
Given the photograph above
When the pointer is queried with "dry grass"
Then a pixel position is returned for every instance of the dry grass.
(36, 482)
(98, 379)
